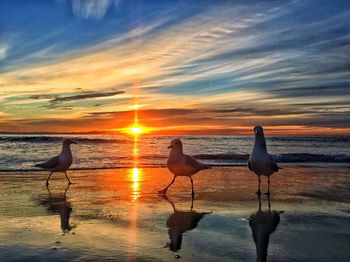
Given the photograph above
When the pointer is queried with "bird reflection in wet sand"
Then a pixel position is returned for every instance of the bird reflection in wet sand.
(263, 224)
(58, 204)
(179, 222)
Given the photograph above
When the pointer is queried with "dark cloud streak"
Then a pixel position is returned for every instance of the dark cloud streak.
(56, 100)
(85, 96)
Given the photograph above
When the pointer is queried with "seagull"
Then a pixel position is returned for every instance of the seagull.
(59, 163)
(261, 162)
(181, 164)
(180, 222)
(262, 225)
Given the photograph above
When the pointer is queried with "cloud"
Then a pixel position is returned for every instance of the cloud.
(55, 100)
(233, 62)
(87, 95)
(195, 121)
(3, 51)
(228, 118)
(93, 9)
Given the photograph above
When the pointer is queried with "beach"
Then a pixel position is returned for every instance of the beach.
(174, 131)
(117, 215)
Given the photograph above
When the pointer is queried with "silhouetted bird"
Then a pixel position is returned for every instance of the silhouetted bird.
(60, 163)
(179, 222)
(260, 161)
(181, 164)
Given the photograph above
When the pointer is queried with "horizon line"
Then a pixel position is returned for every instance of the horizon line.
(158, 134)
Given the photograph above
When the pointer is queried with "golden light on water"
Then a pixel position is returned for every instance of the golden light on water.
(135, 151)
(135, 176)
(135, 172)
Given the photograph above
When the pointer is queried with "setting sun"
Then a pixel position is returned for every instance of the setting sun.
(136, 130)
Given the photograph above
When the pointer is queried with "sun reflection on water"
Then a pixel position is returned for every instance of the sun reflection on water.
(135, 186)
(135, 173)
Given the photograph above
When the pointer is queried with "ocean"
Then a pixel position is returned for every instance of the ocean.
(21, 152)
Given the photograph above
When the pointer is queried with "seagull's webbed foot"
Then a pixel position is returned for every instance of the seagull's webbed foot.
(47, 184)
(268, 193)
(70, 183)
(258, 193)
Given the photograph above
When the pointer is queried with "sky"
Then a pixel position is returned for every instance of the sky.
(189, 67)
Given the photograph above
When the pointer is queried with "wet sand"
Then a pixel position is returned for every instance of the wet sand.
(117, 215)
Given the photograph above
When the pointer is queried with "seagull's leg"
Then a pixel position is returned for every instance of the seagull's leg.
(65, 191)
(259, 192)
(268, 200)
(259, 197)
(166, 189)
(48, 178)
(192, 202)
(65, 172)
(192, 187)
(268, 186)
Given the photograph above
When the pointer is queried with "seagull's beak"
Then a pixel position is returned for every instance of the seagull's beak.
(170, 146)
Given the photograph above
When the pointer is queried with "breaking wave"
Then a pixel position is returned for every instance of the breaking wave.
(283, 158)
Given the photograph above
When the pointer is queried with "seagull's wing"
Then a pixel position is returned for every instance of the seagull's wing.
(51, 163)
(190, 161)
(272, 164)
(249, 166)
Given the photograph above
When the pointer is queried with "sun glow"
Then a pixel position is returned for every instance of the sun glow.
(136, 130)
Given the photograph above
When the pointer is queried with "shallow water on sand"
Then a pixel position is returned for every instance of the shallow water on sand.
(117, 215)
